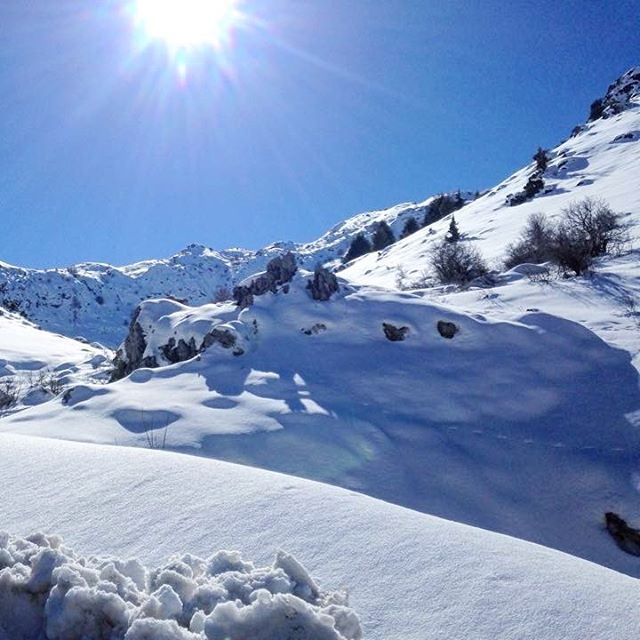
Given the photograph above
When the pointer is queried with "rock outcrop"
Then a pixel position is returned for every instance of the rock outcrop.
(131, 356)
(280, 271)
(323, 284)
(626, 537)
(393, 333)
(447, 329)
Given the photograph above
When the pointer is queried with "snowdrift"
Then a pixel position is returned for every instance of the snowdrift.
(408, 575)
(527, 428)
(47, 589)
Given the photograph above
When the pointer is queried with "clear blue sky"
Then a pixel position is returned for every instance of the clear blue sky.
(315, 111)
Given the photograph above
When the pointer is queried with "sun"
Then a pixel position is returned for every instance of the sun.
(185, 24)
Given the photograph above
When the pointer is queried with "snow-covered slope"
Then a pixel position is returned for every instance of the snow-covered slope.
(36, 364)
(602, 160)
(527, 427)
(409, 575)
(96, 300)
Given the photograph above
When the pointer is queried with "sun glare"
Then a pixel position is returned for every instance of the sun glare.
(185, 24)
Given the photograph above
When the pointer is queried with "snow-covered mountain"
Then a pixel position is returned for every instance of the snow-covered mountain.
(96, 301)
(511, 404)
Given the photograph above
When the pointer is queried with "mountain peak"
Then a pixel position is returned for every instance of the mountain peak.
(621, 95)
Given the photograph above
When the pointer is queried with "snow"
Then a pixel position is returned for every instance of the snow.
(33, 361)
(46, 588)
(526, 427)
(408, 575)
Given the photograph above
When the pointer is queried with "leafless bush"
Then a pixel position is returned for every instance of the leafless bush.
(155, 435)
(457, 263)
(47, 381)
(588, 229)
(10, 391)
(533, 245)
(223, 294)
(156, 439)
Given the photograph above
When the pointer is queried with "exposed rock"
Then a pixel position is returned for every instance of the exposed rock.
(131, 355)
(317, 328)
(226, 338)
(323, 284)
(447, 329)
(393, 333)
(627, 538)
(279, 272)
(179, 352)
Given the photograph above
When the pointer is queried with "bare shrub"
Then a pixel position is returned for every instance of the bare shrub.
(223, 294)
(587, 229)
(599, 225)
(10, 390)
(47, 381)
(534, 244)
(457, 263)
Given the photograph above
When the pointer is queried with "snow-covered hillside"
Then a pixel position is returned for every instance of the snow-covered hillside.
(35, 365)
(408, 575)
(601, 160)
(527, 427)
(96, 301)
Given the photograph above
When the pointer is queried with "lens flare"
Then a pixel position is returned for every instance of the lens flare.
(184, 24)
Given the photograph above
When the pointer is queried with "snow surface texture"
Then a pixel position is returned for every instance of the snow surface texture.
(46, 588)
(35, 365)
(527, 427)
(409, 575)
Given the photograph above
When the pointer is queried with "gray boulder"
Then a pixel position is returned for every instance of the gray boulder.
(131, 355)
(393, 333)
(447, 329)
(323, 284)
(280, 271)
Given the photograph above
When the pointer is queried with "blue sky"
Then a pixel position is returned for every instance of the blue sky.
(312, 112)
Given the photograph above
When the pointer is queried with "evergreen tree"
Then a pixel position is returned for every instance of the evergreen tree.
(541, 159)
(410, 226)
(458, 201)
(453, 235)
(383, 236)
(359, 247)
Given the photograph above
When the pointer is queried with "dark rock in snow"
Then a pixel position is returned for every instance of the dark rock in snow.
(627, 538)
(393, 333)
(447, 329)
(279, 272)
(131, 355)
(323, 284)
(179, 352)
(226, 338)
(317, 328)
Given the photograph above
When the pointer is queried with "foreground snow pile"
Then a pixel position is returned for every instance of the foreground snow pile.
(45, 588)
(410, 576)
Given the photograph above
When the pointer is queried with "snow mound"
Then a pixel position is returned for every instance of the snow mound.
(46, 588)
(526, 427)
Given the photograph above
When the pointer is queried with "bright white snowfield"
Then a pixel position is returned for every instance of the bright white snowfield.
(409, 575)
(502, 427)
(348, 447)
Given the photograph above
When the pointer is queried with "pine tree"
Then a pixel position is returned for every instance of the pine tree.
(383, 236)
(541, 159)
(410, 226)
(453, 235)
(359, 247)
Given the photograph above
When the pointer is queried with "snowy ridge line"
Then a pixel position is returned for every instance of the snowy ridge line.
(46, 590)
